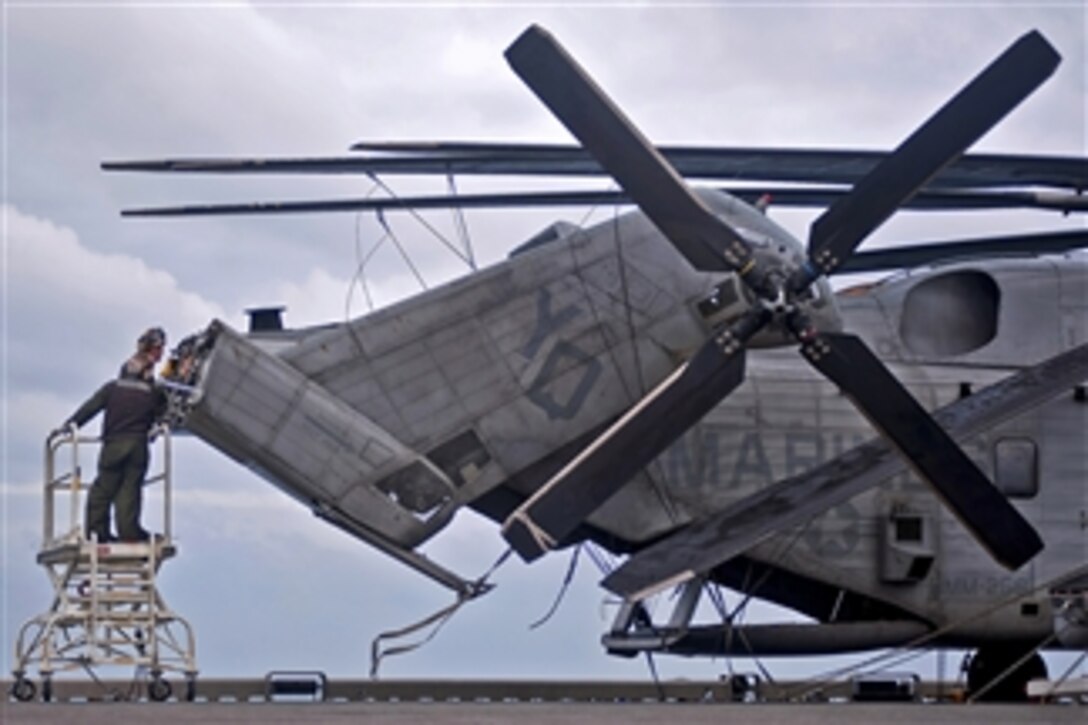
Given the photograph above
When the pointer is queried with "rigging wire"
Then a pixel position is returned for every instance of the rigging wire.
(813, 683)
(975, 696)
(737, 615)
(613, 353)
(612, 186)
(598, 317)
(1068, 672)
(717, 599)
(661, 494)
(360, 271)
(626, 294)
(478, 588)
(567, 579)
(652, 665)
(419, 218)
(360, 263)
(597, 555)
(459, 221)
(467, 256)
(380, 216)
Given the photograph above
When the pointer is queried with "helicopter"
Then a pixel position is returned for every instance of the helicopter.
(914, 476)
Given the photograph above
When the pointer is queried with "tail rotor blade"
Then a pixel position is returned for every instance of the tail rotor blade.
(618, 146)
(939, 141)
(979, 505)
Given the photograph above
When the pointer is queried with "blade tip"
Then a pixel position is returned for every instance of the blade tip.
(532, 38)
(521, 540)
(1030, 547)
(124, 166)
(1037, 43)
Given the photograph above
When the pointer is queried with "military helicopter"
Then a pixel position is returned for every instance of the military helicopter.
(913, 477)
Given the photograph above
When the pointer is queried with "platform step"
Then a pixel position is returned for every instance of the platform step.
(82, 553)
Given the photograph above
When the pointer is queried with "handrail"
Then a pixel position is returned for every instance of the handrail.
(71, 480)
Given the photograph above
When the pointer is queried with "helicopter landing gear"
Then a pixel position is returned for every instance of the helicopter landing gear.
(989, 663)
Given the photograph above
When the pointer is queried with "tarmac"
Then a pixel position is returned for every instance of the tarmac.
(522, 713)
(297, 696)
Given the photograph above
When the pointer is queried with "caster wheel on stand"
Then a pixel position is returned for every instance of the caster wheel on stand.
(159, 690)
(23, 689)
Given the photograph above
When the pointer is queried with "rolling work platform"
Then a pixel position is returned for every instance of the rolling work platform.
(106, 608)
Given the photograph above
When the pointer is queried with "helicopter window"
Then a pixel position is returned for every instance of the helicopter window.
(950, 314)
(1016, 467)
(908, 550)
(908, 528)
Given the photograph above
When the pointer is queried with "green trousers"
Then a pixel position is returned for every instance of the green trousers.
(122, 464)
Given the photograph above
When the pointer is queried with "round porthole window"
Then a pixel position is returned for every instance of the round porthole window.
(950, 314)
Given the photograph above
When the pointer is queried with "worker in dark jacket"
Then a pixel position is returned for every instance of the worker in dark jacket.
(133, 402)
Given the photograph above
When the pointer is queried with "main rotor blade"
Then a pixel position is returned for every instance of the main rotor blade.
(721, 535)
(819, 166)
(565, 88)
(979, 505)
(824, 166)
(915, 255)
(780, 196)
(629, 444)
(939, 141)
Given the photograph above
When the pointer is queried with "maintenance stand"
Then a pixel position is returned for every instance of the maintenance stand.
(107, 609)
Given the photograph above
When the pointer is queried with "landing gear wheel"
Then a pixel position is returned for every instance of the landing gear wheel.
(989, 662)
(47, 689)
(23, 689)
(159, 690)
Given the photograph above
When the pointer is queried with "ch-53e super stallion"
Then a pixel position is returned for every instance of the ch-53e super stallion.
(905, 462)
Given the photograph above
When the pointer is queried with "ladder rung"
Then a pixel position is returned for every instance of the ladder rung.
(84, 600)
(122, 580)
(82, 589)
(103, 594)
(113, 576)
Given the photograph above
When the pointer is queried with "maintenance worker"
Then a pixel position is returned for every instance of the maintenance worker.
(133, 402)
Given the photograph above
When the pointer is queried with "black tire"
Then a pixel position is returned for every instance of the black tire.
(989, 662)
(159, 690)
(47, 689)
(190, 689)
(23, 689)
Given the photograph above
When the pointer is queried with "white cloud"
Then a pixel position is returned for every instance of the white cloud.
(321, 297)
(74, 313)
(47, 258)
(468, 56)
(32, 414)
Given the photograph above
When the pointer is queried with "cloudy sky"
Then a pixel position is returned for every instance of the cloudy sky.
(265, 585)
